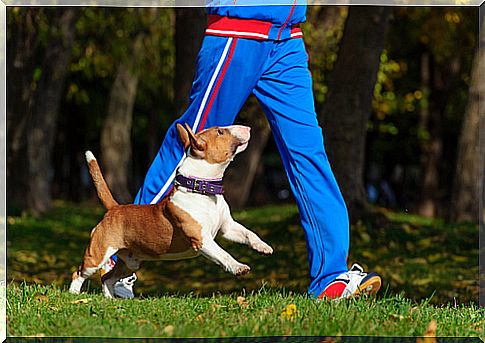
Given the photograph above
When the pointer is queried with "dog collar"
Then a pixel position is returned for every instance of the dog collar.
(201, 186)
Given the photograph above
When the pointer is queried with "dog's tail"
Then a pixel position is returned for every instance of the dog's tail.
(104, 193)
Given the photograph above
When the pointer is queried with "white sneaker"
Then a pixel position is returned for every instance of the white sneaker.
(124, 287)
(352, 283)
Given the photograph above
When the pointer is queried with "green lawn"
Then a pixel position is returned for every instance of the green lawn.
(49, 311)
(430, 272)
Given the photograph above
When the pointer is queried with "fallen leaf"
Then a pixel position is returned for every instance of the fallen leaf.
(422, 282)
(397, 316)
(290, 312)
(168, 330)
(430, 334)
(215, 306)
(242, 302)
(41, 297)
(81, 301)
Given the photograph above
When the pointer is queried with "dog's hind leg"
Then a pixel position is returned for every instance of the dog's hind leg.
(96, 255)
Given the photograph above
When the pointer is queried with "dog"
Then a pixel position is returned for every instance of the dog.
(183, 225)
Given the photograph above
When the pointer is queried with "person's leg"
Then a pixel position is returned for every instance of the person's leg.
(285, 92)
(226, 72)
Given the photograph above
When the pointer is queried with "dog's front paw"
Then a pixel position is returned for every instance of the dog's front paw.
(242, 270)
(196, 244)
(262, 248)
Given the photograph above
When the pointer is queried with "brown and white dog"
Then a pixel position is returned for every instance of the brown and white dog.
(181, 226)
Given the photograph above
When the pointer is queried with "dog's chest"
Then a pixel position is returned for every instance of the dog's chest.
(204, 209)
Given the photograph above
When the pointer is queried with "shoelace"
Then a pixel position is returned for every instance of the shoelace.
(130, 280)
(356, 269)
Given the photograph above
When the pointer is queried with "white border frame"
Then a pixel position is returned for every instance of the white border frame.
(161, 3)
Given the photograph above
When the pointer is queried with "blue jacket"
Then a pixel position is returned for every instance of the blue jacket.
(272, 11)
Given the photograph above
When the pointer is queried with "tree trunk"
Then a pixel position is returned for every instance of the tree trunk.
(468, 183)
(432, 147)
(116, 131)
(190, 26)
(347, 108)
(239, 177)
(42, 126)
(20, 69)
(438, 78)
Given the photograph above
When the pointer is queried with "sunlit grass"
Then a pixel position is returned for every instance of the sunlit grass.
(49, 311)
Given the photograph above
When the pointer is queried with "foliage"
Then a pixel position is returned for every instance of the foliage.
(418, 257)
(104, 37)
(323, 32)
(449, 36)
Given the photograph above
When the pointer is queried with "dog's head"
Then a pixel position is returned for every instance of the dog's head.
(215, 146)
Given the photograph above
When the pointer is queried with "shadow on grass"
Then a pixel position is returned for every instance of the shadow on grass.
(417, 256)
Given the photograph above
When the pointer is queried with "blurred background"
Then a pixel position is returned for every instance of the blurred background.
(396, 93)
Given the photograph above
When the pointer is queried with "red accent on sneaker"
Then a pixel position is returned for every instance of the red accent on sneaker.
(334, 290)
(111, 263)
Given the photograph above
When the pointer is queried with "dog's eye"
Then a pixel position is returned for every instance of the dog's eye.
(220, 132)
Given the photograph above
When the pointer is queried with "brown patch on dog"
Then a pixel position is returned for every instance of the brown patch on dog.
(225, 144)
(181, 220)
(141, 232)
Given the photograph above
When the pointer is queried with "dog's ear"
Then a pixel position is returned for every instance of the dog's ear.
(198, 145)
(184, 136)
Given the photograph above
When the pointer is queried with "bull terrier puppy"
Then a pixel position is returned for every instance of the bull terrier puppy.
(183, 225)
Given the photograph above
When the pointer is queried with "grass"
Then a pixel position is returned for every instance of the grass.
(47, 310)
(430, 271)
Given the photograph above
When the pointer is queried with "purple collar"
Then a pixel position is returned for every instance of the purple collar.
(200, 186)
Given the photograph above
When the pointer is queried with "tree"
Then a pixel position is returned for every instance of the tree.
(469, 178)
(190, 26)
(116, 132)
(347, 107)
(116, 140)
(42, 128)
(32, 117)
(21, 62)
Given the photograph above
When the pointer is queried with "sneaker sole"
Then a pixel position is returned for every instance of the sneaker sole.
(370, 285)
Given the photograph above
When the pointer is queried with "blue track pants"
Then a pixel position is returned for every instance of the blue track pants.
(276, 72)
